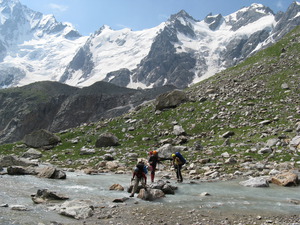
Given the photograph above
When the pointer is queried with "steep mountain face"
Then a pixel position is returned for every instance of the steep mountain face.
(55, 106)
(180, 52)
(183, 50)
(33, 46)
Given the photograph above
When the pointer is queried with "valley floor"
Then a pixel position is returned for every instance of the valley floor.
(149, 215)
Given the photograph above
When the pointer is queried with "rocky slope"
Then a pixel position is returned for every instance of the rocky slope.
(55, 106)
(243, 121)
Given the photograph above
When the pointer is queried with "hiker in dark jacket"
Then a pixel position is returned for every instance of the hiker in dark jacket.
(153, 160)
(139, 175)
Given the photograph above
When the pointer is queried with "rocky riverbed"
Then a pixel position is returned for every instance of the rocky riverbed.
(223, 202)
(127, 215)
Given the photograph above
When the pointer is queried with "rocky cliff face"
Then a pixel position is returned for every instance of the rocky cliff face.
(55, 106)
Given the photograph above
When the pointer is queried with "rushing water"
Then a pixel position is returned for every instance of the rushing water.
(227, 196)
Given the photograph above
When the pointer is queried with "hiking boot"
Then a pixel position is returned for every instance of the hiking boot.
(132, 195)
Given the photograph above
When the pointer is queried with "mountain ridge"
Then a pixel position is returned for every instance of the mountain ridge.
(166, 54)
(56, 106)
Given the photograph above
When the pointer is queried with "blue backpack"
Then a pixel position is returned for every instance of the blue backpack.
(142, 167)
(182, 159)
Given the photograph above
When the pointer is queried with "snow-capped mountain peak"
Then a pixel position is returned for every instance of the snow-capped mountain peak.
(180, 51)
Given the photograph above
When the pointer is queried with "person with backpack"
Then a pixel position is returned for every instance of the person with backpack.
(153, 160)
(178, 161)
(139, 175)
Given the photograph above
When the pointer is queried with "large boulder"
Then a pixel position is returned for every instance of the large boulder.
(11, 160)
(166, 150)
(19, 170)
(32, 154)
(170, 100)
(78, 209)
(107, 140)
(52, 173)
(150, 194)
(255, 182)
(286, 179)
(41, 138)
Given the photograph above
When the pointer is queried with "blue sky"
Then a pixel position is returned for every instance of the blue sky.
(89, 15)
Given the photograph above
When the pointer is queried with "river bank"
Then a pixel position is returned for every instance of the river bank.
(227, 202)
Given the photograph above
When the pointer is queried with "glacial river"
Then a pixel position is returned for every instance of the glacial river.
(227, 196)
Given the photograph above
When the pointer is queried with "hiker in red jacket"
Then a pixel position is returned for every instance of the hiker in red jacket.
(139, 175)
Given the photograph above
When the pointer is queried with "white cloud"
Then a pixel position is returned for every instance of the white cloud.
(60, 8)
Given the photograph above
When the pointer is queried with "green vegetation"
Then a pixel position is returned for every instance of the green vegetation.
(259, 96)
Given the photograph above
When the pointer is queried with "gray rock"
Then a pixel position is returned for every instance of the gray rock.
(19, 208)
(255, 182)
(108, 157)
(107, 140)
(19, 170)
(272, 142)
(78, 209)
(52, 173)
(168, 190)
(178, 130)
(170, 100)
(44, 195)
(228, 134)
(87, 151)
(41, 138)
(150, 194)
(11, 160)
(32, 154)
(285, 86)
(295, 142)
(265, 151)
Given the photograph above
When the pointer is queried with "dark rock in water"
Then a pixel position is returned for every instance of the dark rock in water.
(150, 194)
(116, 187)
(295, 201)
(44, 195)
(120, 200)
(52, 173)
(168, 190)
(41, 138)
